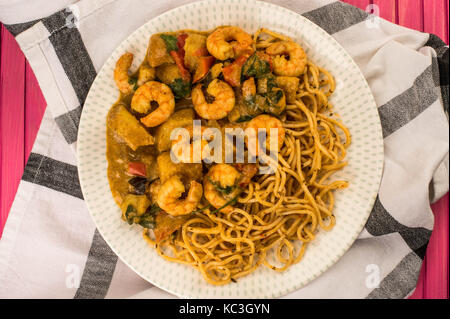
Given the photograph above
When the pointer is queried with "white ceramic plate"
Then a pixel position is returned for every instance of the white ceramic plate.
(353, 101)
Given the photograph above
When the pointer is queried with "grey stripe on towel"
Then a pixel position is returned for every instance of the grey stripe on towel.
(408, 105)
(401, 281)
(77, 64)
(79, 68)
(48, 172)
(336, 16)
(380, 223)
(68, 124)
(16, 29)
(54, 23)
(98, 271)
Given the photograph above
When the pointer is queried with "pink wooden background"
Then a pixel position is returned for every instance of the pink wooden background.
(22, 106)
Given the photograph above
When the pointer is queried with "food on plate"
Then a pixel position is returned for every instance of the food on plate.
(225, 87)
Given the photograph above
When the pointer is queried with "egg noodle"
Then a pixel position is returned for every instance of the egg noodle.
(275, 216)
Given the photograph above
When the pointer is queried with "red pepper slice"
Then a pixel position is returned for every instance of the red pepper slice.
(181, 41)
(180, 64)
(137, 169)
(232, 73)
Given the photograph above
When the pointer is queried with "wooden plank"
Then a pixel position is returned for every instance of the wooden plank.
(387, 9)
(382, 8)
(12, 114)
(436, 276)
(34, 109)
(362, 4)
(410, 14)
(436, 18)
(447, 9)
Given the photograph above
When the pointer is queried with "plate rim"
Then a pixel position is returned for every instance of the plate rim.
(328, 37)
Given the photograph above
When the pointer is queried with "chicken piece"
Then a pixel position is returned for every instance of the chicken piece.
(178, 119)
(134, 206)
(186, 171)
(195, 47)
(146, 73)
(128, 128)
(157, 52)
(167, 73)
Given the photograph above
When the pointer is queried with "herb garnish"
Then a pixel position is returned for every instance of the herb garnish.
(147, 220)
(133, 81)
(256, 67)
(225, 190)
(180, 88)
(271, 81)
(273, 97)
(201, 209)
(170, 41)
(231, 202)
(153, 209)
(244, 118)
(130, 214)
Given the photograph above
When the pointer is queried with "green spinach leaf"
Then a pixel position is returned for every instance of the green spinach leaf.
(201, 209)
(271, 82)
(244, 118)
(133, 81)
(230, 202)
(256, 67)
(130, 214)
(180, 88)
(273, 97)
(153, 209)
(148, 219)
(224, 190)
(170, 41)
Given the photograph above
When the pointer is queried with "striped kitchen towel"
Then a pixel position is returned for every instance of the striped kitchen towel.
(50, 246)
